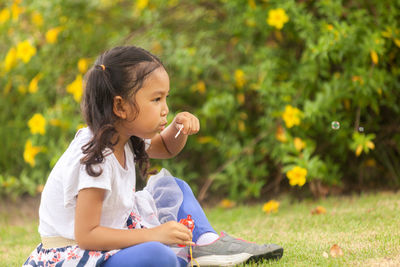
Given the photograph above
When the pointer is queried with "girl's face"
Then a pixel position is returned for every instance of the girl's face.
(151, 101)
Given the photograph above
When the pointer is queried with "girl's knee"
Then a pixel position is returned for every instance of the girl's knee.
(184, 186)
(160, 255)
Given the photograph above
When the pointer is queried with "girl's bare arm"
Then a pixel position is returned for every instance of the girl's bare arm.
(165, 145)
(91, 236)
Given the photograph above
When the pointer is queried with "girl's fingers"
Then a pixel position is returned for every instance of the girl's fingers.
(184, 237)
(196, 125)
(189, 243)
(191, 124)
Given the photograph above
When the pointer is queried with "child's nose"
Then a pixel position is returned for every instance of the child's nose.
(165, 111)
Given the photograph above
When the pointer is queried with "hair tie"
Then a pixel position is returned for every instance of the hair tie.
(103, 67)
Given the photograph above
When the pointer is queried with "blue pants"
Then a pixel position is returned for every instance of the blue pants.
(144, 254)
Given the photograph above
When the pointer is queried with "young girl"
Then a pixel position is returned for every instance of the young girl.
(91, 214)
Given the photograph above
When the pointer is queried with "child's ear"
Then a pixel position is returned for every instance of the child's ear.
(119, 107)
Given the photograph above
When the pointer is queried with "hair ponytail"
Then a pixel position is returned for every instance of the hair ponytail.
(120, 71)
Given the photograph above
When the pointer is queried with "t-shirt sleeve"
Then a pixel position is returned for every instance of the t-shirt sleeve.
(84, 180)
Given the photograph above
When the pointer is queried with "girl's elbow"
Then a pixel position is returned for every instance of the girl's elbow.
(83, 241)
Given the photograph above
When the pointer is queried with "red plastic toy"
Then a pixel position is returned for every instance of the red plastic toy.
(189, 223)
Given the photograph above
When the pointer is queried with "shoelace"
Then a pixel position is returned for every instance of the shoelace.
(191, 257)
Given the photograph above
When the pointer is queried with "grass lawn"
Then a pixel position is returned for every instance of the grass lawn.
(366, 227)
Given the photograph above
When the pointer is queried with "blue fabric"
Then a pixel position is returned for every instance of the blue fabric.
(190, 206)
(151, 254)
(157, 254)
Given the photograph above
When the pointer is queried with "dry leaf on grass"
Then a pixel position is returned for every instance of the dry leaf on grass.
(227, 203)
(336, 251)
(318, 210)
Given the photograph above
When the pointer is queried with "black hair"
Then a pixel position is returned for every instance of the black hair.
(120, 71)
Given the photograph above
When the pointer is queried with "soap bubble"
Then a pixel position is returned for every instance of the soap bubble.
(361, 129)
(335, 125)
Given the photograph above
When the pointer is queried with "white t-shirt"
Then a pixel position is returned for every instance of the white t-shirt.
(57, 207)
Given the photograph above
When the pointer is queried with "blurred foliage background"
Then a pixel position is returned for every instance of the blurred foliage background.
(292, 95)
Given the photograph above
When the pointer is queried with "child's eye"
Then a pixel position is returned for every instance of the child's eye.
(157, 99)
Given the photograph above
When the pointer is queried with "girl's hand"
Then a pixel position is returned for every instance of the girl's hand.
(171, 233)
(191, 124)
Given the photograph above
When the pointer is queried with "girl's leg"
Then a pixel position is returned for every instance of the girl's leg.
(145, 254)
(190, 206)
(174, 200)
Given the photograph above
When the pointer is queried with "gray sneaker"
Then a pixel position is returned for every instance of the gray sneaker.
(229, 251)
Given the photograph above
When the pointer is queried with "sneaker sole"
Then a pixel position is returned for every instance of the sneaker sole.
(221, 260)
(272, 255)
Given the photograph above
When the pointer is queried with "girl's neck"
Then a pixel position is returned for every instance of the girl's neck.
(119, 149)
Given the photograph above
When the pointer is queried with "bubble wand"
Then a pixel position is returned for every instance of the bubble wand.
(180, 129)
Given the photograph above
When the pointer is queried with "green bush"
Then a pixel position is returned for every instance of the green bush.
(270, 81)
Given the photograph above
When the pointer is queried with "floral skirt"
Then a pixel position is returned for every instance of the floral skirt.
(72, 255)
(67, 256)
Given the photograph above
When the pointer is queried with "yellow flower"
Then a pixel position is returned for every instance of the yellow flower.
(357, 78)
(16, 11)
(207, 140)
(227, 204)
(241, 98)
(241, 125)
(370, 145)
(22, 89)
(200, 87)
(30, 152)
(359, 150)
(277, 18)
(280, 134)
(52, 34)
(239, 78)
(76, 88)
(142, 4)
(37, 19)
(4, 15)
(360, 147)
(25, 51)
(299, 144)
(297, 176)
(374, 57)
(33, 85)
(397, 42)
(83, 64)
(82, 125)
(329, 27)
(291, 116)
(11, 59)
(37, 124)
(271, 206)
(252, 4)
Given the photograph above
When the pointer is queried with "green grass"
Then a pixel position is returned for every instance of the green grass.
(366, 227)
